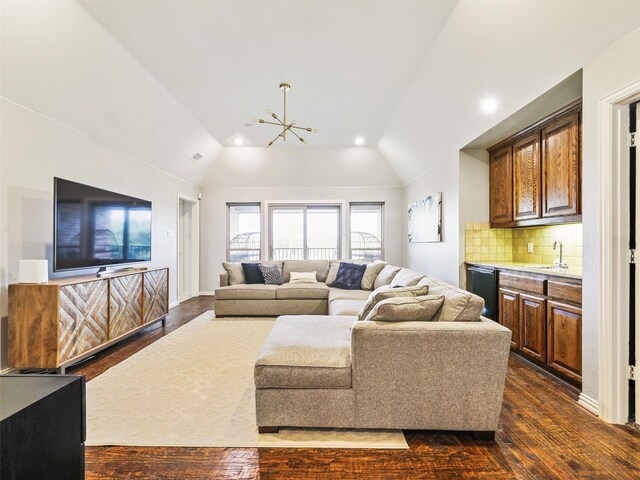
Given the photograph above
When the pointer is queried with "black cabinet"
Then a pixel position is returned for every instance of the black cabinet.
(42, 431)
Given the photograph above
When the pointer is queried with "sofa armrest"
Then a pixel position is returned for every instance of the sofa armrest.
(430, 375)
(224, 279)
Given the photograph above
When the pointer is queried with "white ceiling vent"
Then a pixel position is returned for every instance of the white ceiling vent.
(196, 157)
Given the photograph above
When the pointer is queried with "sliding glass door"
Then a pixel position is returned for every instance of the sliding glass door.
(304, 232)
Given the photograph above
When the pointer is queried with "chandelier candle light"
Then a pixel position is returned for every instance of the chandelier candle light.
(286, 127)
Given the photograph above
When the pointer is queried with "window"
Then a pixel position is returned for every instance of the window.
(304, 232)
(243, 230)
(366, 223)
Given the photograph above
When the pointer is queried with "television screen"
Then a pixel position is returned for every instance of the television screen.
(96, 228)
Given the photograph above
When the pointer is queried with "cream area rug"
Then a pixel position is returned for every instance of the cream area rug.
(194, 388)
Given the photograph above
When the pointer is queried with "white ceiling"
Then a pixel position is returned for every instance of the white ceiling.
(348, 62)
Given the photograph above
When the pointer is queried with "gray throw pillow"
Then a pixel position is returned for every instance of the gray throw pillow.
(383, 293)
(234, 272)
(272, 274)
(371, 273)
(406, 309)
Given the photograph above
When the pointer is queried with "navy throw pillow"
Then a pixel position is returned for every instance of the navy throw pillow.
(349, 276)
(252, 273)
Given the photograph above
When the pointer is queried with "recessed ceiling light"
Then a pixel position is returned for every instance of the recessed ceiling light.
(489, 105)
(237, 141)
(359, 141)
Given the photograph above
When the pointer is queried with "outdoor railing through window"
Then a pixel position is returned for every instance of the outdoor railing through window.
(298, 253)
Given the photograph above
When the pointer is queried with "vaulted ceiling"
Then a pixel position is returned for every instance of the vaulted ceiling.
(162, 80)
(348, 62)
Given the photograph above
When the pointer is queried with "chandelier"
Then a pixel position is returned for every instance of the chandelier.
(286, 127)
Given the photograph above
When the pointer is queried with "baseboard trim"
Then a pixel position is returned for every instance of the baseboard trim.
(589, 404)
(208, 293)
(8, 371)
(173, 304)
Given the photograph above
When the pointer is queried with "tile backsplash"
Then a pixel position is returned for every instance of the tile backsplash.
(485, 244)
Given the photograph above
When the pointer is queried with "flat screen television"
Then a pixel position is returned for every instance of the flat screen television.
(98, 228)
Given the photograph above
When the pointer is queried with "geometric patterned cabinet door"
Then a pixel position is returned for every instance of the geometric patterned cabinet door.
(84, 318)
(156, 294)
(125, 304)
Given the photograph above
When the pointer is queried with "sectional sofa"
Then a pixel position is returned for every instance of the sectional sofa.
(236, 298)
(322, 367)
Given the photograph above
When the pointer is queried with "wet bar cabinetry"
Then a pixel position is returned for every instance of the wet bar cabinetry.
(545, 315)
(535, 175)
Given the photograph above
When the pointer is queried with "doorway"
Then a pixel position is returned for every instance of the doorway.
(188, 248)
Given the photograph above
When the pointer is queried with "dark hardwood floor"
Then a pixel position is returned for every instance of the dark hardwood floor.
(544, 434)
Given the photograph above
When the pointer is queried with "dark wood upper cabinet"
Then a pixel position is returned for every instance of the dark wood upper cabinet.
(526, 177)
(561, 167)
(535, 175)
(501, 187)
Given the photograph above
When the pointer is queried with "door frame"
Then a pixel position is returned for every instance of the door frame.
(195, 246)
(613, 259)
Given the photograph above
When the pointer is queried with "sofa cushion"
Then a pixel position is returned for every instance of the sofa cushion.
(306, 351)
(346, 307)
(272, 274)
(406, 309)
(383, 293)
(340, 294)
(406, 278)
(459, 305)
(371, 273)
(234, 272)
(303, 291)
(321, 267)
(247, 292)
(386, 276)
(349, 276)
(252, 273)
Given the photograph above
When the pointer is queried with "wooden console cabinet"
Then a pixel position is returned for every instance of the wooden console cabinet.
(57, 324)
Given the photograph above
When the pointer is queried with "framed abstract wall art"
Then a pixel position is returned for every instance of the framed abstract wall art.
(425, 219)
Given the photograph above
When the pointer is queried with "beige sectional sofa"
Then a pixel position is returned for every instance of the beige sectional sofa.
(321, 367)
(242, 299)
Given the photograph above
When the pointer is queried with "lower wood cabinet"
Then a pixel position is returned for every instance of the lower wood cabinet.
(57, 324)
(533, 326)
(509, 316)
(565, 339)
(545, 318)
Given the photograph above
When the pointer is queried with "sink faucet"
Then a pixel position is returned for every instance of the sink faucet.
(559, 263)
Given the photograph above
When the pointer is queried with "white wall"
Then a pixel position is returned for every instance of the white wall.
(439, 259)
(511, 50)
(56, 59)
(474, 198)
(464, 183)
(310, 174)
(35, 149)
(299, 167)
(610, 71)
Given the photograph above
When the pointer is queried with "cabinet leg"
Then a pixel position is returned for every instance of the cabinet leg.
(164, 321)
